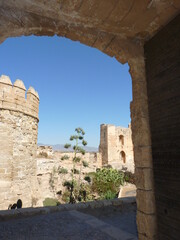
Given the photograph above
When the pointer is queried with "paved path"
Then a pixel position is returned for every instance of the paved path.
(69, 225)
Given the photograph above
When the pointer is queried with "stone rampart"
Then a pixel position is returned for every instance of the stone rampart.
(18, 143)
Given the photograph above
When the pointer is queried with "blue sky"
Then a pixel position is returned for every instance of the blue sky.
(79, 86)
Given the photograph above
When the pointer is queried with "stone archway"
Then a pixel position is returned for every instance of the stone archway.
(119, 29)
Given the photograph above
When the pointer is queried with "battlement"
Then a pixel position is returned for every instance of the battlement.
(14, 97)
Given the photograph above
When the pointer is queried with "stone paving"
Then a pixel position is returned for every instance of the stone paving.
(73, 225)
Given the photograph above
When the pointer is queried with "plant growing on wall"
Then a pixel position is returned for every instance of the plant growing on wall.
(62, 170)
(52, 178)
(78, 144)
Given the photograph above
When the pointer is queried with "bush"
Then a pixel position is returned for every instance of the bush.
(67, 184)
(109, 195)
(86, 192)
(59, 192)
(62, 170)
(129, 177)
(76, 171)
(65, 157)
(87, 178)
(50, 202)
(51, 181)
(85, 163)
(91, 174)
(107, 180)
(66, 196)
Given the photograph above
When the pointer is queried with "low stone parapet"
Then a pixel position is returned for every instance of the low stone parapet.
(123, 203)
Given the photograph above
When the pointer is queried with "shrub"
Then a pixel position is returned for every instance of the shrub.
(52, 178)
(65, 157)
(107, 180)
(51, 181)
(91, 174)
(86, 192)
(129, 177)
(109, 195)
(59, 192)
(50, 202)
(67, 184)
(66, 196)
(87, 178)
(62, 170)
(85, 163)
(76, 171)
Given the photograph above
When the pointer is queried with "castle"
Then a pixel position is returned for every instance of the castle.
(20, 170)
(116, 147)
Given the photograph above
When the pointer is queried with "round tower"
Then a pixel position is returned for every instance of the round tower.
(18, 143)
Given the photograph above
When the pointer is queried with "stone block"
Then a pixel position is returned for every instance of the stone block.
(145, 201)
(144, 237)
(140, 131)
(143, 156)
(144, 178)
(146, 225)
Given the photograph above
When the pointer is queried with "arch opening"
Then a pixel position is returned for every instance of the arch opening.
(44, 91)
(45, 22)
(121, 139)
(122, 156)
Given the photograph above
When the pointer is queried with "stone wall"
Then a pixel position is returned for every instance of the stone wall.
(116, 147)
(50, 182)
(162, 54)
(45, 151)
(18, 143)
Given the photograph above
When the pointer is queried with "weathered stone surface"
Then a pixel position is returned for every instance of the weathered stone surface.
(47, 18)
(49, 165)
(18, 144)
(147, 225)
(145, 201)
(116, 147)
(144, 178)
(163, 74)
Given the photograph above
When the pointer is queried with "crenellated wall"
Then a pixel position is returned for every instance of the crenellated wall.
(12, 97)
(18, 142)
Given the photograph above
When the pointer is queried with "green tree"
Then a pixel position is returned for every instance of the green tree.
(78, 144)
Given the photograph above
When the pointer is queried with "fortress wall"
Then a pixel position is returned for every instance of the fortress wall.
(47, 168)
(103, 147)
(113, 148)
(111, 141)
(126, 147)
(18, 142)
